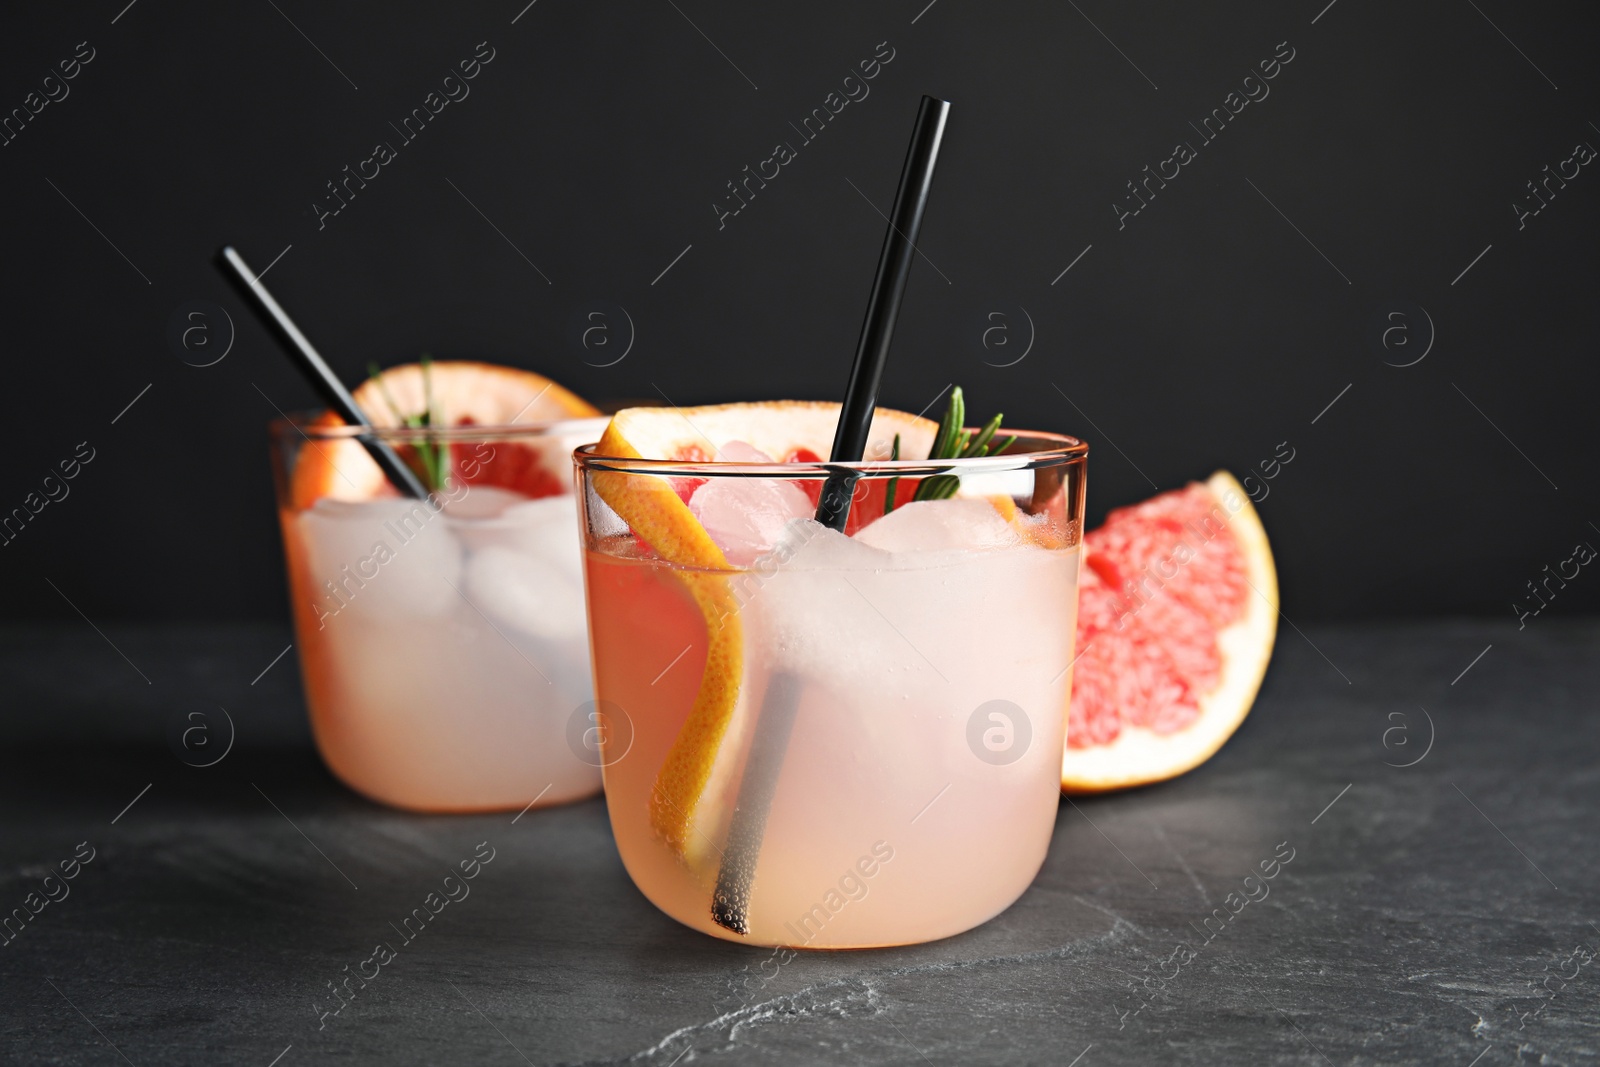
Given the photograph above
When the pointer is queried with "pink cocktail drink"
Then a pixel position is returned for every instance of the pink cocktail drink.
(442, 641)
(917, 671)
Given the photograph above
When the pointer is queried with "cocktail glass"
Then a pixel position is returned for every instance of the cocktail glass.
(442, 642)
(849, 741)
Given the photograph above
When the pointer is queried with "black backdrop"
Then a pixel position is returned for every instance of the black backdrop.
(1299, 259)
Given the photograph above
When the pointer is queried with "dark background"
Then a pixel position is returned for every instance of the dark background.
(1202, 335)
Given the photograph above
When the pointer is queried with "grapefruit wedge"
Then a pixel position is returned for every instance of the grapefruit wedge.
(1177, 612)
(462, 394)
(691, 801)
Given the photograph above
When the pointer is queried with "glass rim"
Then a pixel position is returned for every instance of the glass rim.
(1061, 450)
(302, 424)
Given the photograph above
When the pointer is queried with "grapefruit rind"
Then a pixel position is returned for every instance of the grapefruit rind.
(466, 391)
(689, 802)
(1139, 756)
(463, 391)
(333, 467)
(775, 427)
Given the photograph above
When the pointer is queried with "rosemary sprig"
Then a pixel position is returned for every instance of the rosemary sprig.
(894, 483)
(954, 442)
(433, 457)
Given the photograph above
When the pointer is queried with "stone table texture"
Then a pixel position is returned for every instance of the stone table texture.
(1443, 912)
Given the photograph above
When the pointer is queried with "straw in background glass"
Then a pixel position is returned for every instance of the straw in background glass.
(316, 370)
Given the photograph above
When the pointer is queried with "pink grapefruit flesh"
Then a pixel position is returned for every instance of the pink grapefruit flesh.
(1177, 612)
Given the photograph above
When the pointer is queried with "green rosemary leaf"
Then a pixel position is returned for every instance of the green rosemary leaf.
(976, 448)
(939, 435)
(949, 425)
(433, 457)
(958, 407)
(894, 483)
(888, 493)
(954, 441)
(434, 454)
(388, 398)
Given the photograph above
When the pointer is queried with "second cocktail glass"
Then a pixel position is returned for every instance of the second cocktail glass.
(442, 640)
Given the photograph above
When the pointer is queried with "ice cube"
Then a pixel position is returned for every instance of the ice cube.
(805, 603)
(548, 525)
(469, 501)
(381, 558)
(525, 566)
(935, 525)
(931, 632)
(807, 545)
(533, 592)
(746, 517)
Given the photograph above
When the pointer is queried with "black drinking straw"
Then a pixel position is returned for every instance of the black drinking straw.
(883, 309)
(316, 370)
(731, 899)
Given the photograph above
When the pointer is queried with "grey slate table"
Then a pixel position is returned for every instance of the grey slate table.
(1438, 913)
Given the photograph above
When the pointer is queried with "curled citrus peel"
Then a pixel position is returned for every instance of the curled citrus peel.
(655, 512)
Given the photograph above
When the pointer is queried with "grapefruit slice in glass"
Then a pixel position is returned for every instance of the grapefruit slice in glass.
(463, 394)
(1177, 613)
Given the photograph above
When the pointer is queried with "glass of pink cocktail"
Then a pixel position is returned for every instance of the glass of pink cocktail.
(441, 641)
(830, 739)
